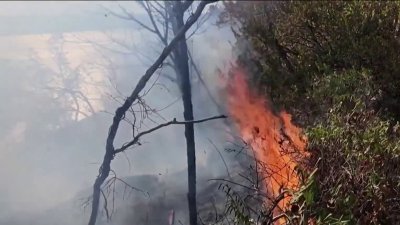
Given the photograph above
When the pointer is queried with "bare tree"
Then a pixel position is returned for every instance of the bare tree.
(164, 18)
(111, 151)
(65, 81)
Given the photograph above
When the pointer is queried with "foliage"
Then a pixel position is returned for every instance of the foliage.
(334, 66)
(359, 151)
(237, 206)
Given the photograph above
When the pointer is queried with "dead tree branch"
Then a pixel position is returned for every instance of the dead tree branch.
(174, 121)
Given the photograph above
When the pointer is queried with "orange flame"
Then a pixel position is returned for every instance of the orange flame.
(277, 143)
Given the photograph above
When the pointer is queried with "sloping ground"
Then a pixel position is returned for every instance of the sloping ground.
(154, 207)
(167, 196)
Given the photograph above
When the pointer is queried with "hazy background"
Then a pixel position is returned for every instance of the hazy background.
(50, 153)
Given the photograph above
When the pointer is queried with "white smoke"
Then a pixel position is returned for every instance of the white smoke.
(49, 160)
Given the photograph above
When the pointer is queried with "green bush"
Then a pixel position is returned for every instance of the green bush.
(356, 148)
(335, 66)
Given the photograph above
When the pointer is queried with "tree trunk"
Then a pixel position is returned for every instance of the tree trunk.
(181, 61)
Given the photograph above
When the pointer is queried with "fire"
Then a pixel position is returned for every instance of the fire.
(276, 141)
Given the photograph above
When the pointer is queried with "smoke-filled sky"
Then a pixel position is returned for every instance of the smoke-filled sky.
(49, 153)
